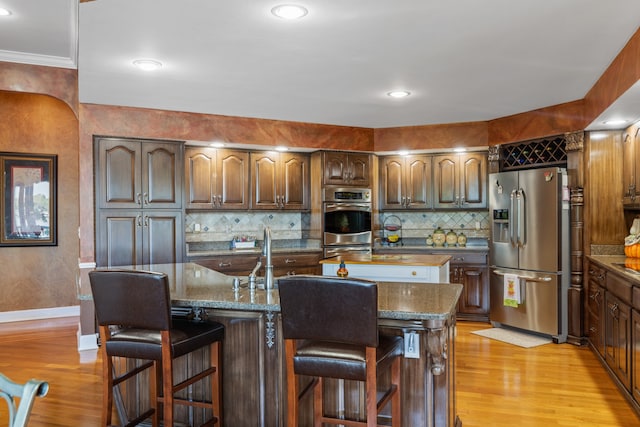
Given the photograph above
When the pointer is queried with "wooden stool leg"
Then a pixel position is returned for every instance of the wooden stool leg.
(371, 382)
(155, 378)
(318, 406)
(107, 380)
(396, 414)
(216, 384)
(167, 379)
(292, 385)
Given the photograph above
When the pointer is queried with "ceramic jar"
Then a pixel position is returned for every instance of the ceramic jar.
(452, 238)
(429, 240)
(439, 237)
(462, 239)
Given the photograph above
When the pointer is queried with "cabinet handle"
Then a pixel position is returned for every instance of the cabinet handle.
(291, 273)
(145, 199)
(460, 258)
(462, 201)
(403, 201)
(408, 201)
(282, 201)
(457, 202)
(595, 295)
(592, 329)
(146, 220)
(224, 264)
(289, 261)
(139, 199)
(219, 201)
(614, 310)
(139, 220)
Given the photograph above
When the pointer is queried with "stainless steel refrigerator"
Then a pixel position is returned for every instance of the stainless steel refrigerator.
(529, 253)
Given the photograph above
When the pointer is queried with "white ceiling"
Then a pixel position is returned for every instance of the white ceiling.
(463, 60)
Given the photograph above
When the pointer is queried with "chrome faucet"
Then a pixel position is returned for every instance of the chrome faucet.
(266, 251)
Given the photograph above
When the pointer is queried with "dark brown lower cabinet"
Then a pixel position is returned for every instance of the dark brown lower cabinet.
(635, 355)
(135, 237)
(617, 348)
(474, 301)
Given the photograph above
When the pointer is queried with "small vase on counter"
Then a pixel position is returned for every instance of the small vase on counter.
(462, 239)
(342, 270)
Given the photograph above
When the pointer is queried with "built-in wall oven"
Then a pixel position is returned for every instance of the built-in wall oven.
(347, 220)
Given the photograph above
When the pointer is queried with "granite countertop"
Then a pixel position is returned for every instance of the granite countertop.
(195, 286)
(474, 244)
(390, 259)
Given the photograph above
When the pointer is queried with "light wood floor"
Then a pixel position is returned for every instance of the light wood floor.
(497, 384)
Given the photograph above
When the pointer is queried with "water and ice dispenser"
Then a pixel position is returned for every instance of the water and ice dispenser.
(501, 222)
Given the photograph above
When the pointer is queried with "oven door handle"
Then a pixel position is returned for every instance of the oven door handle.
(365, 207)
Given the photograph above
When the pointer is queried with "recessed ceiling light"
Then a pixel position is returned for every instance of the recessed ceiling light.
(615, 122)
(4, 12)
(399, 93)
(147, 64)
(289, 11)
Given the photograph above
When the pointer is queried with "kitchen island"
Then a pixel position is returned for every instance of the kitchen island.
(253, 354)
(392, 267)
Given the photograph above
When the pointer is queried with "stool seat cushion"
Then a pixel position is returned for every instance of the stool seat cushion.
(340, 360)
(186, 336)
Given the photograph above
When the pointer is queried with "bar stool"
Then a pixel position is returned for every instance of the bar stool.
(133, 309)
(330, 329)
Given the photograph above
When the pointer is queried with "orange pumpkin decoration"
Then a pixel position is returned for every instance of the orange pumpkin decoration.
(632, 251)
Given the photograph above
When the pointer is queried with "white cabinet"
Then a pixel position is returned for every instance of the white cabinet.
(393, 273)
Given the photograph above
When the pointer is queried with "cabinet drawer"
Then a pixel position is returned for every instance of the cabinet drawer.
(597, 274)
(595, 299)
(619, 287)
(636, 298)
(293, 259)
(464, 258)
(231, 264)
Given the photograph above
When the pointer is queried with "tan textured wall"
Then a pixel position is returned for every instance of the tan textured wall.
(44, 276)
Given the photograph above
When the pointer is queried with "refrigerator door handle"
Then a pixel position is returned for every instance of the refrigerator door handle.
(522, 218)
(525, 277)
(514, 218)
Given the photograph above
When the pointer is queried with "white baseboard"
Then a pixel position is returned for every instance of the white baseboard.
(40, 313)
(87, 342)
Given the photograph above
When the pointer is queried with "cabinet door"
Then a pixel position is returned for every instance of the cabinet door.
(119, 237)
(232, 179)
(118, 179)
(418, 182)
(635, 355)
(475, 292)
(294, 192)
(161, 175)
(335, 168)
(595, 309)
(359, 169)
(162, 233)
(446, 182)
(200, 177)
(392, 183)
(264, 181)
(618, 338)
(473, 180)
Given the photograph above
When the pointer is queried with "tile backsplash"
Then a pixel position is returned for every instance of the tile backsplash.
(422, 224)
(223, 226)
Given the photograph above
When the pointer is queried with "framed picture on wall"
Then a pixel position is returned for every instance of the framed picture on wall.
(28, 202)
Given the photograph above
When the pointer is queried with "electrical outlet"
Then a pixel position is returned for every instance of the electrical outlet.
(411, 345)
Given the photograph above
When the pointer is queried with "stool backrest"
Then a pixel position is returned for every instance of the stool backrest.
(329, 309)
(131, 298)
